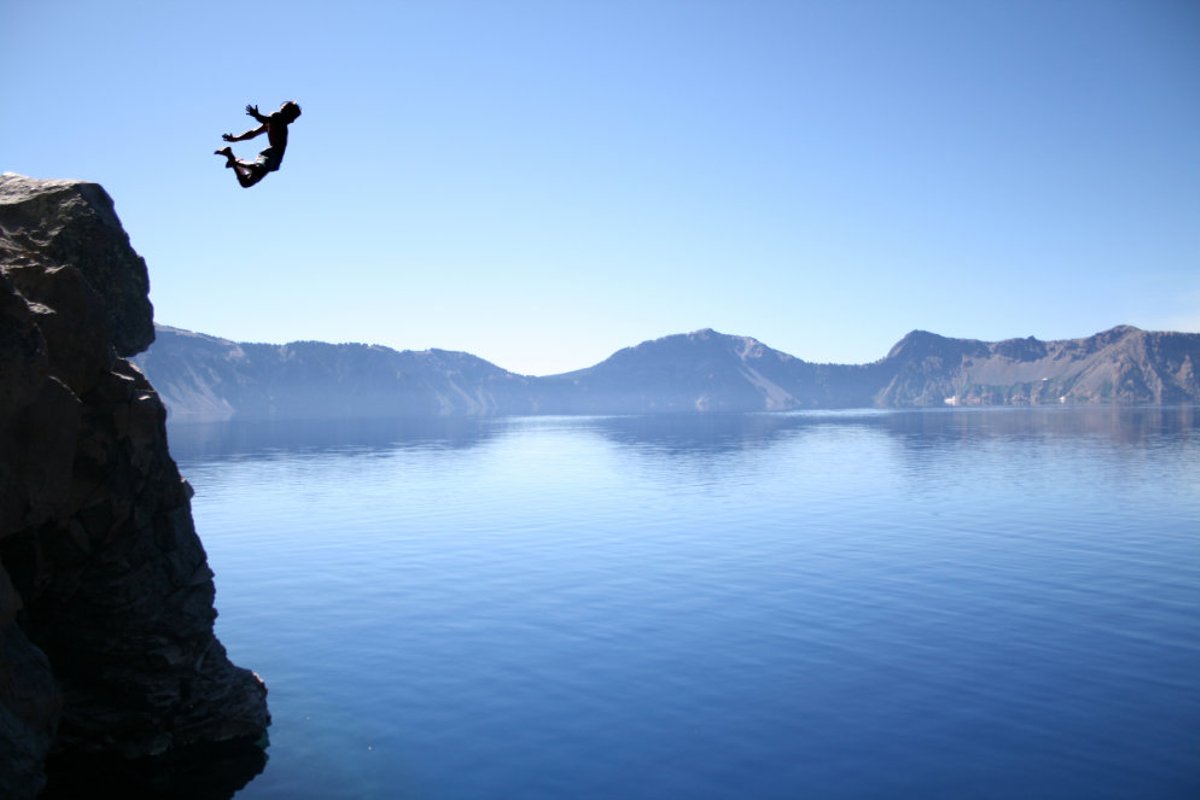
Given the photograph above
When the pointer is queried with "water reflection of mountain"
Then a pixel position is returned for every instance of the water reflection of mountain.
(716, 433)
(1124, 425)
(687, 434)
(201, 440)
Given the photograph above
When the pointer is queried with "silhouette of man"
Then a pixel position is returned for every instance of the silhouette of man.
(276, 127)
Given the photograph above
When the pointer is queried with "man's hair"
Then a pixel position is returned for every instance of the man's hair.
(292, 108)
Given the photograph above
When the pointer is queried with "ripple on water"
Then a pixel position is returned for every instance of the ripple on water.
(861, 605)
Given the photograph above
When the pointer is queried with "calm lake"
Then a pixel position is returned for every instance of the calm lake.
(940, 604)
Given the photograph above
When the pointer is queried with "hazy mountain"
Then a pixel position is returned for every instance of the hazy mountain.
(206, 378)
(707, 371)
(202, 377)
(1121, 365)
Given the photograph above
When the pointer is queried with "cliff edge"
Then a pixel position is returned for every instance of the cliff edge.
(106, 597)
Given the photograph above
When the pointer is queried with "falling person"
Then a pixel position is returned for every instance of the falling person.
(276, 127)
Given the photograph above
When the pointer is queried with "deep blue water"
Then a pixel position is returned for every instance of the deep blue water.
(957, 604)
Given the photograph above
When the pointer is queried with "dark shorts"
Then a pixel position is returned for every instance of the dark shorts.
(269, 159)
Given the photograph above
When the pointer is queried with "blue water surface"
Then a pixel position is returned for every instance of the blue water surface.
(951, 603)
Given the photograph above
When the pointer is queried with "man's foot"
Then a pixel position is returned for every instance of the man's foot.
(225, 151)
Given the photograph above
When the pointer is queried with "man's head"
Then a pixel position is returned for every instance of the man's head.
(290, 111)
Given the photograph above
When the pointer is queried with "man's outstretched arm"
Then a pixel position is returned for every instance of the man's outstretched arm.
(250, 134)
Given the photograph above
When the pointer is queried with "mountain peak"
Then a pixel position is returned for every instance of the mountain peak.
(919, 344)
(1116, 334)
(704, 370)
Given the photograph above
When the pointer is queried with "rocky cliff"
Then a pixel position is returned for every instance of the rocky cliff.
(106, 597)
(205, 378)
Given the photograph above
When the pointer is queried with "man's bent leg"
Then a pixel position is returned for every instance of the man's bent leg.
(248, 174)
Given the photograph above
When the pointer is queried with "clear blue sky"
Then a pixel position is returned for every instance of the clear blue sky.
(542, 183)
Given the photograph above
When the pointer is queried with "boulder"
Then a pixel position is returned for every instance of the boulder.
(53, 223)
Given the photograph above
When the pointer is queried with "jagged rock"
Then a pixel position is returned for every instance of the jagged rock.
(30, 702)
(106, 597)
(73, 223)
(23, 359)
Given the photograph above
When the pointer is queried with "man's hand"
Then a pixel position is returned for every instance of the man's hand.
(253, 111)
(229, 137)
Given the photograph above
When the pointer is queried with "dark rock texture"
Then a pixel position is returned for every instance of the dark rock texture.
(106, 598)
(205, 378)
(72, 223)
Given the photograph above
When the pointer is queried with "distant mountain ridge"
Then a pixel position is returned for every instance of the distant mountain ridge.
(207, 378)
(1121, 365)
(203, 377)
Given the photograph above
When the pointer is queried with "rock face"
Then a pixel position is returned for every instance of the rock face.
(205, 378)
(106, 597)
(58, 223)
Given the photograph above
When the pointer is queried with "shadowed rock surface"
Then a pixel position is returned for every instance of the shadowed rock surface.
(203, 378)
(106, 597)
(73, 224)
